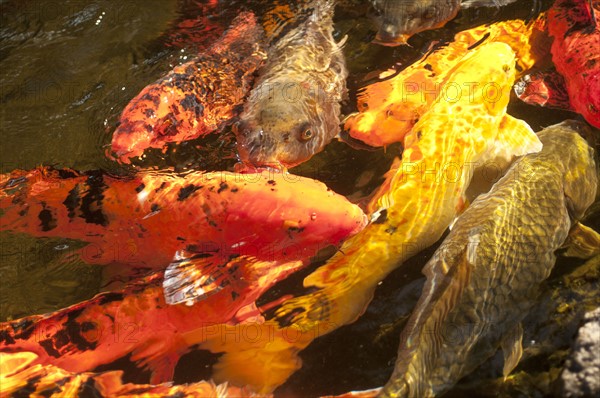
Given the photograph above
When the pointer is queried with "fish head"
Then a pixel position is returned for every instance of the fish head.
(397, 20)
(566, 140)
(281, 133)
(160, 113)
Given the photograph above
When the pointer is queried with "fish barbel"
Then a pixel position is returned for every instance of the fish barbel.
(412, 210)
(485, 276)
(142, 221)
(390, 108)
(195, 98)
(294, 108)
(397, 20)
(21, 376)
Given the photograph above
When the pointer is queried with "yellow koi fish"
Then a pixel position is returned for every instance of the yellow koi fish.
(422, 195)
(390, 108)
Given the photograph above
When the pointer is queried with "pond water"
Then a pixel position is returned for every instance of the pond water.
(68, 68)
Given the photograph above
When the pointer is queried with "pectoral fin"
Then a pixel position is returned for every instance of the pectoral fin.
(514, 138)
(512, 348)
(193, 277)
(582, 242)
(485, 3)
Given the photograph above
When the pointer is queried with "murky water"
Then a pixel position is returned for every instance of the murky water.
(67, 69)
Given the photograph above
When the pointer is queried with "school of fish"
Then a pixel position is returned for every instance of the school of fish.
(198, 251)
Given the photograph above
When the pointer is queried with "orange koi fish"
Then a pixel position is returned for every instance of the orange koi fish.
(195, 98)
(139, 322)
(21, 376)
(575, 84)
(389, 109)
(421, 196)
(143, 221)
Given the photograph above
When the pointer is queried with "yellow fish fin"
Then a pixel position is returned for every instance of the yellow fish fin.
(582, 242)
(514, 138)
(512, 348)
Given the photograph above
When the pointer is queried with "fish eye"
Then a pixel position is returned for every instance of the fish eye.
(306, 135)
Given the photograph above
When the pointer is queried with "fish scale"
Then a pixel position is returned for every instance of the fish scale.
(412, 210)
(480, 287)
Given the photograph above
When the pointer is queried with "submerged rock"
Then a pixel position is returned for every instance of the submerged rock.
(581, 375)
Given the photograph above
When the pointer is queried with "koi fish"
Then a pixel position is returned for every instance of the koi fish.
(575, 83)
(19, 376)
(195, 98)
(397, 20)
(294, 108)
(139, 322)
(411, 211)
(389, 109)
(143, 221)
(485, 276)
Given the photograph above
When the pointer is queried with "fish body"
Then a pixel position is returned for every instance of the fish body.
(138, 322)
(195, 98)
(389, 109)
(485, 276)
(397, 20)
(410, 212)
(142, 221)
(294, 108)
(575, 27)
(21, 376)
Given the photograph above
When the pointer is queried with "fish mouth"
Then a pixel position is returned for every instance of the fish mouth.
(400, 40)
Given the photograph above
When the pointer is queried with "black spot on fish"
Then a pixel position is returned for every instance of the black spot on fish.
(190, 103)
(65, 173)
(178, 394)
(162, 186)
(23, 212)
(429, 67)
(155, 99)
(110, 297)
(154, 207)
(6, 338)
(186, 191)
(234, 190)
(91, 202)
(48, 346)
(271, 182)
(88, 326)
(89, 389)
(149, 113)
(381, 218)
(234, 295)
(479, 42)
(140, 188)
(55, 390)
(223, 186)
(72, 201)
(47, 219)
(28, 389)
(391, 230)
